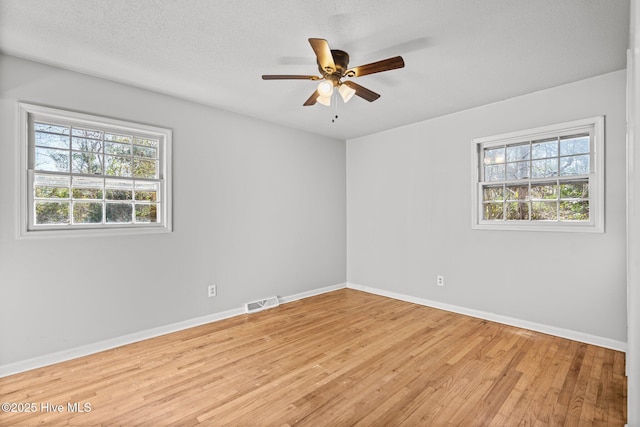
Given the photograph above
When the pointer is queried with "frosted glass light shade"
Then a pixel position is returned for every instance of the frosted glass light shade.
(346, 92)
(324, 100)
(325, 88)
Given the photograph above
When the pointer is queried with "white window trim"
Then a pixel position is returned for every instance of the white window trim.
(596, 179)
(28, 112)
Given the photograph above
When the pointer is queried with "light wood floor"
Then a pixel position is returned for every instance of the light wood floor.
(337, 359)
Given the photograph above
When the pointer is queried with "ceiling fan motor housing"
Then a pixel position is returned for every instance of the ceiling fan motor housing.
(341, 61)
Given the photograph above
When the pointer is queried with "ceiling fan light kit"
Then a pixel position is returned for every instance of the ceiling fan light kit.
(333, 66)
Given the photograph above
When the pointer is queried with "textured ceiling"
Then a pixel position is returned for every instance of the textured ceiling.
(459, 54)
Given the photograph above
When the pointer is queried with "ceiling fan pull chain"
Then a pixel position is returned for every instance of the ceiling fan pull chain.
(335, 95)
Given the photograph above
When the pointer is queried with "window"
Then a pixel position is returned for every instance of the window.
(548, 178)
(84, 174)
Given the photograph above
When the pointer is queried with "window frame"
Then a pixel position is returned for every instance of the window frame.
(28, 114)
(596, 177)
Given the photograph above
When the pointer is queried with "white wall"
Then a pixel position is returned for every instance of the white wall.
(409, 218)
(258, 209)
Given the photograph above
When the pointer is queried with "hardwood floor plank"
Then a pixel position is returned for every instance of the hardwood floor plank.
(341, 358)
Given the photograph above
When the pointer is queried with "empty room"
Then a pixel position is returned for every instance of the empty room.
(248, 213)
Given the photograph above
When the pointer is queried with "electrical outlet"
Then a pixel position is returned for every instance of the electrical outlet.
(212, 291)
(440, 280)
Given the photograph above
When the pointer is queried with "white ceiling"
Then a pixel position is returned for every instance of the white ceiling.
(458, 53)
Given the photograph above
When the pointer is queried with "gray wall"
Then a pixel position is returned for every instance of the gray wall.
(258, 209)
(409, 218)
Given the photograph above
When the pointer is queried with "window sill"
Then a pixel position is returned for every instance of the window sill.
(48, 233)
(539, 226)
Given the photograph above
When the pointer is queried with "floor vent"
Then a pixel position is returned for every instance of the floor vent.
(262, 304)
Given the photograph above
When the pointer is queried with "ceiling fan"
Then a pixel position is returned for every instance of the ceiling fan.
(333, 66)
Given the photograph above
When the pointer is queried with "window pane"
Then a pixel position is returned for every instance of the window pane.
(518, 211)
(145, 168)
(572, 145)
(574, 165)
(517, 152)
(51, 187)
(493, 156)
(544, 149)
(87, 188)
(52, 140)
(544, 168)
(87, 213)
(518, 170)
(46, 127)
(52, 212)
(517, 192)
(148, 152)
(117, 166)
(147, 191)
(494, 173)
(89, 163)
(118, 149)
(147, 213)
(118, 190)
(493, 211)
(84, 144)
(544, 211)
(574, 211)
(146, 142)
(49, 159)
(574, 190)
(493, 193)
(87, 133)
(119, 212)
(544, 191)
(117, 138)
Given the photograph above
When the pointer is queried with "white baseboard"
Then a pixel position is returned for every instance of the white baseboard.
(311, 293)
(511, 321)
(85, 350)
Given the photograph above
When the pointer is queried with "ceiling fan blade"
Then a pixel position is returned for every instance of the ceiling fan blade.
(362, 92)
(376, 67)
(312, 99)
(324, 55)
(288, 77)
